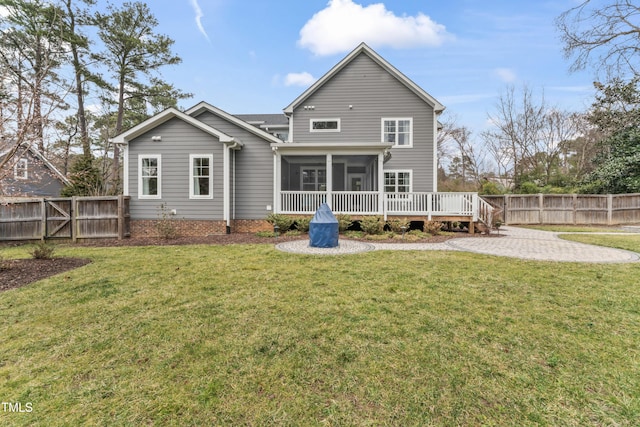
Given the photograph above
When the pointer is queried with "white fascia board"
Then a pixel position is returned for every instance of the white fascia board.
(168, 114)
(363, 47)
(205, 106)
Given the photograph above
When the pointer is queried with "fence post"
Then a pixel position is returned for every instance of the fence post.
(505, 205)
(43, 227)
(120, 217)
(609, 209)
(74, 219)
(575, 209)
(540, 207)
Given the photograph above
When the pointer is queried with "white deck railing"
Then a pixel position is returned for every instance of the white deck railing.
(367, 203)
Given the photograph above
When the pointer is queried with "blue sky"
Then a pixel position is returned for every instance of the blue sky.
(256, 56)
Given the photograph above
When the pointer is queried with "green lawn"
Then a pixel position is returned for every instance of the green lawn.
(248, 335)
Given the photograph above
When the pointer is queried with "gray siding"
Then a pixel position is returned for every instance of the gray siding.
(253, 170)
(179, 140)
(41, 181)
(373, 94)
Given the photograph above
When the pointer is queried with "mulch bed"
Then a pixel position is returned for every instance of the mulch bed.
(20, 272)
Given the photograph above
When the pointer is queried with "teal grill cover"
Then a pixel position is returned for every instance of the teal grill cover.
(323, 228)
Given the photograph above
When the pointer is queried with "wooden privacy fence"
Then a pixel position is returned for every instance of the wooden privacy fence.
(64, 218)
(597, 209)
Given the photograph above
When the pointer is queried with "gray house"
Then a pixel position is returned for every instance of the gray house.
(362, 139)
(28, 173)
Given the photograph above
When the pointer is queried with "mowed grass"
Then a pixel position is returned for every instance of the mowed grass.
(248, 335)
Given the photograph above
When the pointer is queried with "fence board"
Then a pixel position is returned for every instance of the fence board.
(580, 209)
(70, 217)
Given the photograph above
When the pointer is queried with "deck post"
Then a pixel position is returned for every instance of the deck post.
(475, 206)
(329, 180)
(382, 200)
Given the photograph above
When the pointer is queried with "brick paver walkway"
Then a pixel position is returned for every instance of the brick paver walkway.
(517, 243)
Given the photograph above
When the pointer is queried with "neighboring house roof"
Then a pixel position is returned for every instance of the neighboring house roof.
(168, 114)
(205, 106)
(6, 149)
(364, 49)
(264, 119)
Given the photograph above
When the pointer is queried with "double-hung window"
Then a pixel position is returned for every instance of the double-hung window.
(20, 169)
(149, 176)
(200, 176)
(397, 181)
(398, 131)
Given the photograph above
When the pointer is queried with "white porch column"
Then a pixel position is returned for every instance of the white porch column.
(381, 201)
(329, 183)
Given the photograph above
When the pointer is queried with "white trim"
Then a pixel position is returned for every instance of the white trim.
(434, 187)
(205, 106)
(125, 171)
(192, 157)
(396, 172)
(363, 48)
(312, 121)
(166, 115)
(226, 185)
(158, 157)
(24, 170)
(397, 119)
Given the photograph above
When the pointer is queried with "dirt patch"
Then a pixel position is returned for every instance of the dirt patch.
(20, 272)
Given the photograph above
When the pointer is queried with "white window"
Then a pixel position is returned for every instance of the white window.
(149, 176)
(397, 181)
(314, 179)
(200, 176)
(399, 131)
(324, 125)
(20, 169)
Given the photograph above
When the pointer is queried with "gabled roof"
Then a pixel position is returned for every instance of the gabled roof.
(205, 106)
(168, 114)
(6, 149)
(364, 49)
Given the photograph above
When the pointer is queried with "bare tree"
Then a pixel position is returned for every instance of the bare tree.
(605, 36)
(518, 121)
(558, 128)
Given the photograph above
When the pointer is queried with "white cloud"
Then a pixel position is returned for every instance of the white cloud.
(507, 75)
(299, 79)
(343, 24)
(199, 16)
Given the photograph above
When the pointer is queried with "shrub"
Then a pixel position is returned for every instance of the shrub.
(344, 222)
(418, 233)
(372, 224)
(354, 234)
(432, 227)
(491, 188)
(529, 188)
(283, 222)
(302, 224)
(396, 224)
(43, 250)
(166, 226)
